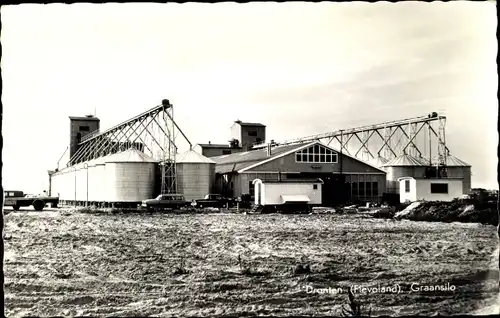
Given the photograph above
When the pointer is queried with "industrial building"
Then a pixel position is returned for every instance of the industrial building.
(133, 161)
(424, 189)
(420, 168)
(242, 138)
(139, 159)
(345, 178)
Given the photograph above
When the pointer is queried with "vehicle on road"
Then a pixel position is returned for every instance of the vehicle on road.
(165, 201)
(17, 199)
(213, 201)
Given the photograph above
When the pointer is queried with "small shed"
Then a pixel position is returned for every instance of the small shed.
(288, 192)
(424, 189)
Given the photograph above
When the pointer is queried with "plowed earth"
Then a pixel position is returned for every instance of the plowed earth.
(62, 263)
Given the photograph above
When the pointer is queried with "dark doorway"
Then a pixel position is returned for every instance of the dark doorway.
(334, 190)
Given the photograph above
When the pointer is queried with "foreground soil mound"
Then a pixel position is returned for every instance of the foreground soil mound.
(459, 210)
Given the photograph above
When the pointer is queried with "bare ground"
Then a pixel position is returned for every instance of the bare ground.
(60, 263)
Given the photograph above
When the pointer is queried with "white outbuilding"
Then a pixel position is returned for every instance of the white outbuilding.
(288, 193)
(425, 189)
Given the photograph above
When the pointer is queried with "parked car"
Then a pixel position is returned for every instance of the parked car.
(17, 199)
(213, 201)
(165, 201)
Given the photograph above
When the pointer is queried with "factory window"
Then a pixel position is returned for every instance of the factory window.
(439, 188)
(252, 133)
(407, 186)
(361, 192)
(354, 186)
(368, 188)
(226, 152)
(375, 188)
(315, 187)
(84, 128)
(316, 154)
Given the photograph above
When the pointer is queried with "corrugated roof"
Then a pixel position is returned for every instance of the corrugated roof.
(242, 160)
(249, 124)
(192, 156)
(455, 162)
(379, 162)
(406, 161)
(129, 155)
(309, 180)
(84, 118)
(213, 145)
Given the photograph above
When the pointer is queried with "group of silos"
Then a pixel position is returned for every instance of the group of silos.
(131, 176)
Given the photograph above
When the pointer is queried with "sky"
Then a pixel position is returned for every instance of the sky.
(299, 68)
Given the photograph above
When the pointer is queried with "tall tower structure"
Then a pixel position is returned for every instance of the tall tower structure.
(79, 128)
(248, 134)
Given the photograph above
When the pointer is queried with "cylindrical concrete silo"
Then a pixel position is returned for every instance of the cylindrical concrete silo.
(403, 166)
(129, 176)
(81, 182)
(195, 175)
(92, 180)
(100, 176)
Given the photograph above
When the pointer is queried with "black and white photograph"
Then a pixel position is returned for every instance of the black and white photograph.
(250, 159)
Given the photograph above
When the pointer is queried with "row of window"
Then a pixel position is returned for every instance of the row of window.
(316, 158)
(316, 154)
(364, 188)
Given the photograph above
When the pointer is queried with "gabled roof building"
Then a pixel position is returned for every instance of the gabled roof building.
(345, 177)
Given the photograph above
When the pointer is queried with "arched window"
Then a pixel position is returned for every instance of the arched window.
(78, 138)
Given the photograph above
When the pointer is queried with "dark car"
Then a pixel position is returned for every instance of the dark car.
(213, 201)
(165, 201)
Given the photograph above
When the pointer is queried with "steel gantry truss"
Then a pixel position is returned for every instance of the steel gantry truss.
(153, 132)
(388, 140)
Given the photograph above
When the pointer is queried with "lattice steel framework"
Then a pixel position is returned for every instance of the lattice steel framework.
(388, 140)
(154, 132)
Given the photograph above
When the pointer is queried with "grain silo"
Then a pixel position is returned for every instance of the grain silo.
(81, 182)
(403, 166)
(130, 177)
(100, 179)
(456, 168)
(195, 175)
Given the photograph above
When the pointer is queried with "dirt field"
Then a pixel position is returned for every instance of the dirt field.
(61, 263)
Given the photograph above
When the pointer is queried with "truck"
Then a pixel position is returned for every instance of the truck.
(17, 199)
(165, 201)
(213, 201)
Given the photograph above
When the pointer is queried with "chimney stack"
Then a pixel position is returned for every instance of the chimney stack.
(269, 150)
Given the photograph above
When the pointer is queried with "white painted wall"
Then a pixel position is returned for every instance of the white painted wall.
(420, 189)
(272, 192)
